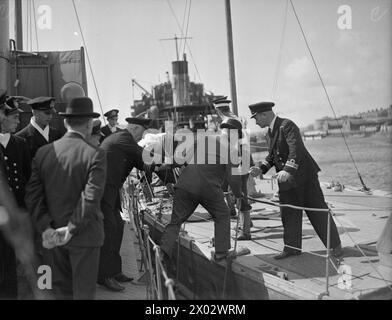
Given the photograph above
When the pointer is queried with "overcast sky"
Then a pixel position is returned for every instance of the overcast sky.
(123, 42)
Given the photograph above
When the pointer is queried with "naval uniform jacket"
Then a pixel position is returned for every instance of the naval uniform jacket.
(17, 165)
(107, 132)
(286, 151)
(35, 140)
(123, 154)
(66, 185)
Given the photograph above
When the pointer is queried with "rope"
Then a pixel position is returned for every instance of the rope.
(327, 95)
(187, 25)
(35, 26)
(289, 205)
(275, 83)
(88, 59)
(361, 251)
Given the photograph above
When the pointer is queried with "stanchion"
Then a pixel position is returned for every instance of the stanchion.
(328, 254)
(158, 273)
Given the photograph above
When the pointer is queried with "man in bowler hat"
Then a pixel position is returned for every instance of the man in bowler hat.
(63, 196)
(297, 175)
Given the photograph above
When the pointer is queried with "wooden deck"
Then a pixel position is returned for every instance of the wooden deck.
(360, 218)
(130, 253)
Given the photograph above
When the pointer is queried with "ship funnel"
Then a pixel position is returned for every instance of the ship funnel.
(180, 83)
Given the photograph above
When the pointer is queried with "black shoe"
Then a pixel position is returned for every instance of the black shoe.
(122, 278)
(111, 284)
(243, 237)
(286, 254)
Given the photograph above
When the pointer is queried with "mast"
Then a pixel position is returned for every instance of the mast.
(233, 89)
(18, 25)
(4, 43)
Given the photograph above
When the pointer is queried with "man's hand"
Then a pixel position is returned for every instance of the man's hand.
(283, 176)
(256, 171)
(64, 234)
(49, 238)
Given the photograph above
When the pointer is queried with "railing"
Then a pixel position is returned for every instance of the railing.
(154, 271)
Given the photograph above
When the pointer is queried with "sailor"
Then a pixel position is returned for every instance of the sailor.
(123, 154)
(227, 125)
(297, 175)
(38, 132)
(111, 127)
(200, 182)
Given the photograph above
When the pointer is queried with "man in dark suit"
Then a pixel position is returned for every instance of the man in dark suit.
(38, 132)
(297, 175)
(111, 127)
(123, 154)
(200, 182)
(63, 196)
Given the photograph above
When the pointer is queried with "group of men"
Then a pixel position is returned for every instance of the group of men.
(70, 186)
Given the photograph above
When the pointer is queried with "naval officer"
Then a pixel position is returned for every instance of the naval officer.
(111, 127)
(38, 132)
(297, 174)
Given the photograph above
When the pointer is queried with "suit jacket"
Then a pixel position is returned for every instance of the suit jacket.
(66, 185)
(286, 151)
(201, 176)
(17, 163)
(35, 140)
(123, 154)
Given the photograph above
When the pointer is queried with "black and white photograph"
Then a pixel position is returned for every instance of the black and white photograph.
(208, 152)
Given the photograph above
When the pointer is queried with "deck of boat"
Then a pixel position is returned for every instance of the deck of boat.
(360, 218)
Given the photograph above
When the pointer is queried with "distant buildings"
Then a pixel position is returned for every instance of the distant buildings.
(378, 120)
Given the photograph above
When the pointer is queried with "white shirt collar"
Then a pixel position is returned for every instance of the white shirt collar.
(112, 129)
(4, 139)
(44, 132)
(273, 123)
(77, 132)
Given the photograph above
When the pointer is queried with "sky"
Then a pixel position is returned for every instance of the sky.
(271, 58)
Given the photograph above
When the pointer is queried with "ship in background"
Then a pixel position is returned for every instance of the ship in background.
(179, 100)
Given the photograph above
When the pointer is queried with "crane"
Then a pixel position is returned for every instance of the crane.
(134, 82)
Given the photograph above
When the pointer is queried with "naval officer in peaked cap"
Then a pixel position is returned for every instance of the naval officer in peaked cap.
(297, 175)
(39, 132)
(111, 127)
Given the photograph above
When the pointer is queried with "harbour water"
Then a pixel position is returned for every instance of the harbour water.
(372, 155)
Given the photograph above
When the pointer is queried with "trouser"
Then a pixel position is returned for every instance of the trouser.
(8, 278)
(74, 272)
(307, 195)
(184, 204)
(110, 262)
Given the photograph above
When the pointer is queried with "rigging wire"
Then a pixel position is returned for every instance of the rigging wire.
(187, 26)
(183, 18)
(275, 83)
(365, 188)
(187, 45)
(88, 59)
(35, 25)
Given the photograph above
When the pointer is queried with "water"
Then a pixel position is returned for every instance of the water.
(372, 155)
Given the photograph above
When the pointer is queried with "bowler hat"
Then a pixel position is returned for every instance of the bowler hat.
(79, 108)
